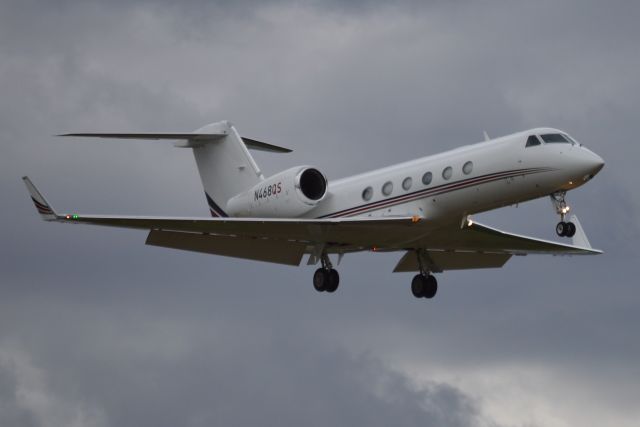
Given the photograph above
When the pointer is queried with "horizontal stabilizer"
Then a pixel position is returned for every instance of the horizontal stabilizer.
(193, 138)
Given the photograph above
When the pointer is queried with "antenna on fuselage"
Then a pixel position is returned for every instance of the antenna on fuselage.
(486, 136)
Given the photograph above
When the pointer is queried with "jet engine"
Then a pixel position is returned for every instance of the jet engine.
(290, 193)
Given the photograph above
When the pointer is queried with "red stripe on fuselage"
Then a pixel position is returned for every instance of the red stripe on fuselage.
(441, 189)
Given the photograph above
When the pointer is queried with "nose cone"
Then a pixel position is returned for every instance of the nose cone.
(591, 164)
(596, 163)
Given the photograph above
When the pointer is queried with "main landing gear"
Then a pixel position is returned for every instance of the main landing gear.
(423, 285)
(563, 228)
(326, 278)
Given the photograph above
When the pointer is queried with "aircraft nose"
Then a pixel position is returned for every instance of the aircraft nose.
(591, 164)
(597, 163)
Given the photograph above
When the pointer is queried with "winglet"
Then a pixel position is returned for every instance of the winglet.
(44, 208)
(580, 238)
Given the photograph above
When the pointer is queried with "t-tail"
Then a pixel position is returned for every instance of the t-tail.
(222, 156)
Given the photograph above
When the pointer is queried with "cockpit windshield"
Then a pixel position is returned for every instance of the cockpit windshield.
(555, 137)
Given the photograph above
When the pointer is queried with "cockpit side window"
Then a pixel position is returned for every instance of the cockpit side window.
(554, 137)
(532, 140)
(573, 141)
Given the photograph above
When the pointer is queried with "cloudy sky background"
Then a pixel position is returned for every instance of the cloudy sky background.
(96, 329)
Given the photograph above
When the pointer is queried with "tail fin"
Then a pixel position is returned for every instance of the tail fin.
(44, 208)
(226, 168)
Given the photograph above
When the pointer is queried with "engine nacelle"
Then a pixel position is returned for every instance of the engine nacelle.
(290, 193)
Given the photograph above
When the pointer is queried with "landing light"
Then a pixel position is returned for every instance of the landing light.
(469, 223)
(565, 209)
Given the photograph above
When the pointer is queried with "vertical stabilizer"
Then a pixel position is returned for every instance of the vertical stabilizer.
(226, 168)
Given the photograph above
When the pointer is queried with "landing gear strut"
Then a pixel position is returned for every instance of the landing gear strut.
(563, 228)
(423, 285)
(326, 278)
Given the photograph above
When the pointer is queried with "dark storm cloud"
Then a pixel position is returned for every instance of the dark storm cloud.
(199, 373)
(97, 329)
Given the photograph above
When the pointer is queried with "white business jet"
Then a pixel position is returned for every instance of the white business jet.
(421, 208)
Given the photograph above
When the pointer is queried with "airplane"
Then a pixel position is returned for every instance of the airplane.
(421, 208)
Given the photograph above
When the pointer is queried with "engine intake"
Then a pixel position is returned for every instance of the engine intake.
(312, 184)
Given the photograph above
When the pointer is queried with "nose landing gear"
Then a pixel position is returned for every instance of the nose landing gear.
(563, 228)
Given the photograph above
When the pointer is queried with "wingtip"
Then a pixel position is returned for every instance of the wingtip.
(42, 206)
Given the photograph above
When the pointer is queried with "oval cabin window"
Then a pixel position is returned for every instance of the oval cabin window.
(426, 178)
(387, 188)
(447, 173)
(467, 168)
(367, 194)
(406, 184)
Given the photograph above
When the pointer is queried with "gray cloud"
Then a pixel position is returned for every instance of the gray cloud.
(117, 333)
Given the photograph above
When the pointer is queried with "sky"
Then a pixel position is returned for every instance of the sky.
(97, 329)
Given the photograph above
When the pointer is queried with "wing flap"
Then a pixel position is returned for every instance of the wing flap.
(275, 251)
(451, 260)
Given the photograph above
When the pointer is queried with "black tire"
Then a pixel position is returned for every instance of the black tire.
(561, 229)
(431, 287)
(320, 280)
(418, 285)
(571, 229)
(333, 281)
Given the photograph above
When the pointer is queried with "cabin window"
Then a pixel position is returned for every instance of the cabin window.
(367, 194)
(467, 168)
(447, 173)
(387, 188)
(426, 178)
(554, 137)
(532, 140)
(406, 184)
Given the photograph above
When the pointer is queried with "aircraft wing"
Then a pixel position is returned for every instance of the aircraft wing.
(267, 239)
(479, 246)
(286, 240)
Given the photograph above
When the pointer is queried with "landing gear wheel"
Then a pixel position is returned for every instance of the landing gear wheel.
(333, 282)
(423, 286)
(563, 228)
(320, 280)
(431, 287)
(418, 285)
